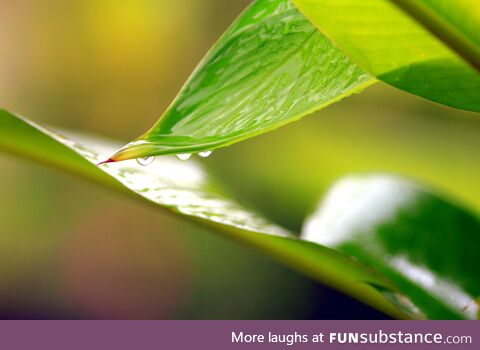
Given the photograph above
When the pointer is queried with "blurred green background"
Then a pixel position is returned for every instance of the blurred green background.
(69, 249)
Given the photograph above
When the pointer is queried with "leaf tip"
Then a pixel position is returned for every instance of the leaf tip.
(109, 160)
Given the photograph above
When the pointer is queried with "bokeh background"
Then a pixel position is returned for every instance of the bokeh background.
(69, 249)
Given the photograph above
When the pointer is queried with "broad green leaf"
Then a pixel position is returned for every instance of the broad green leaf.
(428, 48)
(270, 68)
(189, 191)
(384, 241)
(426, 245)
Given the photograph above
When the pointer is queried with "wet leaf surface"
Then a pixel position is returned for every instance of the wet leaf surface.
(270, 68)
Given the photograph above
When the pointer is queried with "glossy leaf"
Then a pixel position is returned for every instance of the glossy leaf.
(428, 48)
(417, 252)
(270, 68)
(186, 189)
(426, 245)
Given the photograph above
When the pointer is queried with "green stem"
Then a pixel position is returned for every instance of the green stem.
(443, 30)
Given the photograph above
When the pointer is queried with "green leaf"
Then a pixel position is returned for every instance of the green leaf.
(270, 68)
(385, 241)
(428, 48)
(426, 245)
(186, 189)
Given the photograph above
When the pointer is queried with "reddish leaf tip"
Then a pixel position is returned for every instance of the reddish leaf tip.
(109, 160)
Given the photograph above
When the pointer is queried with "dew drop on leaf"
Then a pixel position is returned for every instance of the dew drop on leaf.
(183, 156)
(145, 161)
(205, 154)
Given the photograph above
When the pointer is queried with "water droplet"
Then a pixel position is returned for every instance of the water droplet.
(204, 154)
(145, 161)
(183, 156)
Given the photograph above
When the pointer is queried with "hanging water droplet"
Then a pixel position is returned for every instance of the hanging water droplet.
(145, 161)
(204, 154)
(183, 156)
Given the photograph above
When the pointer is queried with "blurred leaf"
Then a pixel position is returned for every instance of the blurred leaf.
(270, 68)
(426, 245)
(186, 189)
(428, 48)
(419, 245)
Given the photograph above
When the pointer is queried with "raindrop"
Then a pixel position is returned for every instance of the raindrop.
(145, 161)
(183, 156)
(204, 154)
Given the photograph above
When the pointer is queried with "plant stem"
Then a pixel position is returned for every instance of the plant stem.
(443, 30)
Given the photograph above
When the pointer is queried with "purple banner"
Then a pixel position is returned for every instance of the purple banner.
(223, 335)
